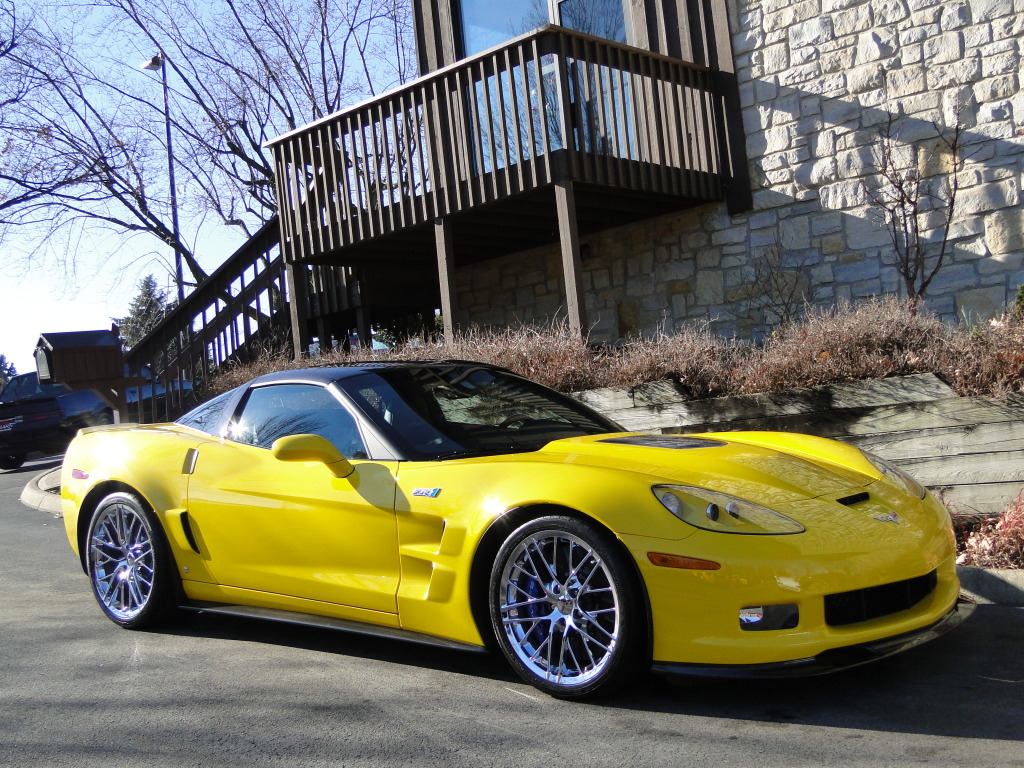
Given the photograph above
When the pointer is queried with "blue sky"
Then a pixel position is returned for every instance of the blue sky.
(45, 299)
(82, 284)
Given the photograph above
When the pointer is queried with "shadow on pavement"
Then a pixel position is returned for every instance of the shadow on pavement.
(969, 683)
(35, 467)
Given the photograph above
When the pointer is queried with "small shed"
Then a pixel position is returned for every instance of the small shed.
(85, 360)
(78, 358)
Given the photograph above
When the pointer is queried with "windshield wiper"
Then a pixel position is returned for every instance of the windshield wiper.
(495, 451)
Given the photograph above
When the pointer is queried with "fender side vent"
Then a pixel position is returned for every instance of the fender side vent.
(857, 498)
(186, 526)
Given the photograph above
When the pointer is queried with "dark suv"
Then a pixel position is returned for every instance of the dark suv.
(44, 418)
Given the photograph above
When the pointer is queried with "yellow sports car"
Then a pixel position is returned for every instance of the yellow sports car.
(458, 504)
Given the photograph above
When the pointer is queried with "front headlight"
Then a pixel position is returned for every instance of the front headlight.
(722, 513)
(896, 475)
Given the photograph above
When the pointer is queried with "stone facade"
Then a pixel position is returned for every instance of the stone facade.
(821, 83)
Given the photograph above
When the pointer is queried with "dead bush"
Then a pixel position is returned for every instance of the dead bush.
(997, 543)
(873, 339)
(870, 340)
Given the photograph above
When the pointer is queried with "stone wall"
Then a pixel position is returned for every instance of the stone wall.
(820, 82)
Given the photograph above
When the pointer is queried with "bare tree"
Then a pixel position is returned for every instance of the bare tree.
(776, 293)
(916, 193)
(84, 143)
(13, 86)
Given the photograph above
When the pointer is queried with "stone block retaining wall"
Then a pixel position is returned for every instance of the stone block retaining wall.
(819, 80)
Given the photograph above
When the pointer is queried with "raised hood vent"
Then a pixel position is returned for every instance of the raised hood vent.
(664, 441)
(857, 498)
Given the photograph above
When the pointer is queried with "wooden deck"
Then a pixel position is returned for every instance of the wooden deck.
(550, 106)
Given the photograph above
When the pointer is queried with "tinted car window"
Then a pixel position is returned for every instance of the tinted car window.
(207, 416)
(295, 409)
(438, 412)
(27, 385)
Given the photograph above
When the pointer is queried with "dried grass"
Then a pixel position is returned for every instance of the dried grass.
(997, 543)
(873, 339)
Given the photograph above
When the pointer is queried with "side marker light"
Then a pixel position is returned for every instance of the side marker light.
(679, 561)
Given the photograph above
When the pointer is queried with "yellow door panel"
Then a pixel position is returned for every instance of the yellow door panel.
(292, 528)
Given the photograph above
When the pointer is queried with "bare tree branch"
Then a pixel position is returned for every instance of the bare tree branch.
(82, 134)
(908, 189)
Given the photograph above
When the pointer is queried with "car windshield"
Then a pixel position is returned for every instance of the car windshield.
(438, 412)
(27, 385)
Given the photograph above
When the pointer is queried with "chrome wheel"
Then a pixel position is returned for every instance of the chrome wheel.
(127, 563)
(562, 606)
(121, 554)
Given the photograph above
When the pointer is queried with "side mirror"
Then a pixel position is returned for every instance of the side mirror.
(312, 448)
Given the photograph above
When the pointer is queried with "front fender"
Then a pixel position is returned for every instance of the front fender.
(140, 460)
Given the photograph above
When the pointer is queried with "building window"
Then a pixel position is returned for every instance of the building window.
(487, 23)
(600, 18)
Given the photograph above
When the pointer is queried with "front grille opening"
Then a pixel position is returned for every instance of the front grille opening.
(859, 605)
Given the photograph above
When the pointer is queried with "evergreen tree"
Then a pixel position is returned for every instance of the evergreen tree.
(7, 370)
(145, 312)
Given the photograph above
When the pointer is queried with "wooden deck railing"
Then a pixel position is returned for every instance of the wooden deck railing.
(550, 105)
(236, 313)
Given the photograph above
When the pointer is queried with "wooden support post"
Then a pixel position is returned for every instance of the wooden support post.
(445, 268)
(364, 323)
(732, 138)
(323, 333)
(298, 307)
(568, 234)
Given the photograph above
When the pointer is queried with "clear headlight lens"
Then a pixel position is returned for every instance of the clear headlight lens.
(722, 513)
(896, 475)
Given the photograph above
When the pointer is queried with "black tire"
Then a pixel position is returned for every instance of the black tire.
(129, 565)
(567, 608)
(12, 460)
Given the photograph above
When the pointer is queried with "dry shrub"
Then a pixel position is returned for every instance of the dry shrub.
(873, 339)
(987, 360)
(702, 362)
(997, 543)
(550, 354)
(231, 375)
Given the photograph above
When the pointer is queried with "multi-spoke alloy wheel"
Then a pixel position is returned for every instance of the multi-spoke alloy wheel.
(126, 562)
(563, 605)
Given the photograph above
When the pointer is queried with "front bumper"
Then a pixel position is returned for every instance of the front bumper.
(832, 660)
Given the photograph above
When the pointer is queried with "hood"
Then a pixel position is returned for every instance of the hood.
(765, 474)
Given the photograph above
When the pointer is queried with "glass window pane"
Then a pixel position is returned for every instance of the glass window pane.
(296, 409)
(207, 416)
(468, 410)
(601, 18)
(486, 23)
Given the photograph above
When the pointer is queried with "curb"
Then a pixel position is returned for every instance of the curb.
(993, 586)
(42, 492)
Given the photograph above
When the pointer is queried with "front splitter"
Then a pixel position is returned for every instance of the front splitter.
(832, 660)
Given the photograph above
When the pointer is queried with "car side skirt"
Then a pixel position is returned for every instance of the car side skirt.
(832, 660)
(328, 622)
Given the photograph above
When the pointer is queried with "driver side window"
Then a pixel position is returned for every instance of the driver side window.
(295, 409)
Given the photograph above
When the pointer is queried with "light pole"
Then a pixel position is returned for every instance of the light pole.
(153, 64)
